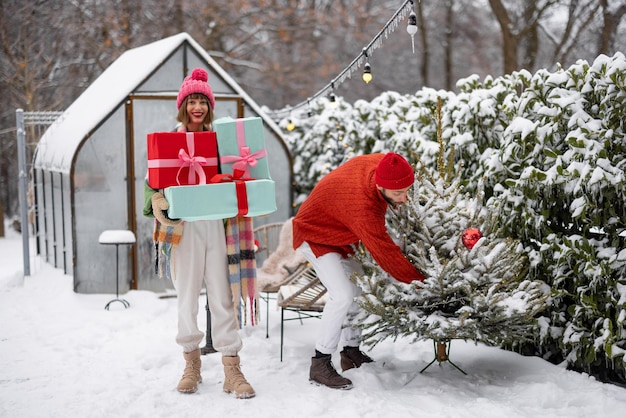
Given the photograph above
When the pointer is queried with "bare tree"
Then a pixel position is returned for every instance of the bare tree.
(611, 16)
(283, 51)
(423, 30)
(29, 45)
(519, 24)
(1, 219)
(448, 44)
(526, 25)
(580, 14)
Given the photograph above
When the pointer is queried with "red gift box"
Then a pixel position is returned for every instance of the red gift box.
(181, 158)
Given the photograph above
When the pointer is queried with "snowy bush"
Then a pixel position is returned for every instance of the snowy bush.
(550, 151)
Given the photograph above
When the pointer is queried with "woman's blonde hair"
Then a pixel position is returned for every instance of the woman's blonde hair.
(183, 116)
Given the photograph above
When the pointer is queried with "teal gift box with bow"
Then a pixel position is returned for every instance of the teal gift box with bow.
(241, 144)
(221, 200)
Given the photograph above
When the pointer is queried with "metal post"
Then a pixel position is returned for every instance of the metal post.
(23, 187)
(208, 348)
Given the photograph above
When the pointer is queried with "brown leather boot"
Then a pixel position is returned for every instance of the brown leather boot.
(234, 381)
(352, 357)
(322, 372)
(191, 376)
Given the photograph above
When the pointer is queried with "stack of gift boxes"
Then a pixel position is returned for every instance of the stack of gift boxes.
(185, 165)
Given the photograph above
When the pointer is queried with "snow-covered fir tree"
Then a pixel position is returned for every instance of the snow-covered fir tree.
(477, 285)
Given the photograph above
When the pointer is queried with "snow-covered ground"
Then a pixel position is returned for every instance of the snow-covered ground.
(63, 355)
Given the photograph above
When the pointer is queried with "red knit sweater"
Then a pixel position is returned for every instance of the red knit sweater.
(345, 207)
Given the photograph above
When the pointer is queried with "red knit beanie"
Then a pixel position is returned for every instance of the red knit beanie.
(195, 83)
(393, 172)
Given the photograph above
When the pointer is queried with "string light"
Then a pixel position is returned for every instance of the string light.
(367, 69)
(412, 28)
(347, 72)
(333, 101)
(367, 73)
(290, 125)
(309, 112)
(331, 97)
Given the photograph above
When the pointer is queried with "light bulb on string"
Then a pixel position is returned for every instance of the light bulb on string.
(412, 28)
(367, 73)
(290, 125)
(333, 101)
(332, 97)
(367, 69)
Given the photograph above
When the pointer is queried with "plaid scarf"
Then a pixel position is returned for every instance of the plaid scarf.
(242, 268)
(165, 237)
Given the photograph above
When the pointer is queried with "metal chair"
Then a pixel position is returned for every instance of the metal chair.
(303, 294)
(268, 237)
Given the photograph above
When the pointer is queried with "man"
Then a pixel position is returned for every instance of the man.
(347, 206)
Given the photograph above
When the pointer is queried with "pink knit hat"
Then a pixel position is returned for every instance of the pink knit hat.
(195, 83)
(393, 172)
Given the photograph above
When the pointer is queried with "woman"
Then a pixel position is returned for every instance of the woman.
(191, 253)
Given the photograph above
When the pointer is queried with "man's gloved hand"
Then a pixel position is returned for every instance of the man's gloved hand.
(160, 207)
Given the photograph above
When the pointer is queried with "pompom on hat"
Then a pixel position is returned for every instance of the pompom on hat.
(393, 172)
(195, 83)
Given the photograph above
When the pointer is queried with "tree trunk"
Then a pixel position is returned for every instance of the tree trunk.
(442, 354)
(530, 48)
(509, 39)
(421, 24)
(448, 45)
(611, 22)
(1, 220)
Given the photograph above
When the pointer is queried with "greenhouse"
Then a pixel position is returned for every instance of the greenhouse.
(85, 159)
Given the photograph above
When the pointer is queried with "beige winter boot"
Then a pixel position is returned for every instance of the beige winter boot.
(234, 380)
(191, 376)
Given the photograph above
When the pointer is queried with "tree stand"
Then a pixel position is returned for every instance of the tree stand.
(442, 353)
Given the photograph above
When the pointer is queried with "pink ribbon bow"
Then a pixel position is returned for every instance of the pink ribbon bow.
(194, 163)
(245, 160)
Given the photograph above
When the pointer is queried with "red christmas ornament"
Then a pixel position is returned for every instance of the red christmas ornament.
(470, 237)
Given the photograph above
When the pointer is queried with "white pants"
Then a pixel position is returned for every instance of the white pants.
(334, 272)
(200, 257)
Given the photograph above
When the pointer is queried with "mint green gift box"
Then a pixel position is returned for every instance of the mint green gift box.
(220, 200)
(241, 144)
